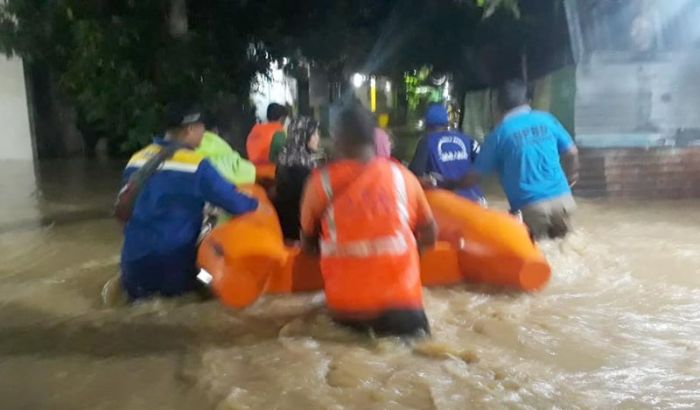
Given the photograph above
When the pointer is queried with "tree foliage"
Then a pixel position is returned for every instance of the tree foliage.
(118, 63)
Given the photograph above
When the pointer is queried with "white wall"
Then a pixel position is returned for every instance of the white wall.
(275, 87)
(15, 135)
(622, 102)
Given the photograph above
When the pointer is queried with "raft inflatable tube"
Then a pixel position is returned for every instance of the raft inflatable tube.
(265, 174)
(492, 246)
(243, 254)
(302, 272)
(476, 245)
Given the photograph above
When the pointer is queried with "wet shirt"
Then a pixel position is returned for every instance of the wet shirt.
(315, 202)
(277, 145)
(228, 162)
(450, 155)
(167, 215)
(524, 150)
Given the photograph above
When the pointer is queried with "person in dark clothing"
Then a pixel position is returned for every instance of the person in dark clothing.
(294, 164)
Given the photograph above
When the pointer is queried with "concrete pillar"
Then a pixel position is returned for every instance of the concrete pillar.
(18, 184)
(15, 137)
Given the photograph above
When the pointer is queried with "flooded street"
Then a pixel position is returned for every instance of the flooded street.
(617, 327)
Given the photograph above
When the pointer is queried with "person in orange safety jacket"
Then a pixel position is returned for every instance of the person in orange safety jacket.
(368, 217)
(267, 137)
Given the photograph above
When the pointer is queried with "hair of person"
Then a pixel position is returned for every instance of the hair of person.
(276, 112)
(313, 127)
(435, 128)
(511, 94)
(355, 125)
(178, 111)
(211, 123)
(305, 125)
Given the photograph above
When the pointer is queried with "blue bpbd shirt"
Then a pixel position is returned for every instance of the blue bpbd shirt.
(449, 154)
(167, 216)
(524, 150)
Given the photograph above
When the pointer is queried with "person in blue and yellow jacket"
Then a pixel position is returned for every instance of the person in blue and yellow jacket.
(160, 237)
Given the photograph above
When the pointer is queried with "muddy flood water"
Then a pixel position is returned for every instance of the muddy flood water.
(617, 327)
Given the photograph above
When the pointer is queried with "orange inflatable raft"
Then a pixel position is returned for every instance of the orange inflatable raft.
(246, 257)
(265, 174)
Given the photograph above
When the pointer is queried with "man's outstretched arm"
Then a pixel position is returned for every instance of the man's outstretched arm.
(570, 163)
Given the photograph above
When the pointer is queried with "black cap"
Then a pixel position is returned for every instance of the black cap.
(180, 114)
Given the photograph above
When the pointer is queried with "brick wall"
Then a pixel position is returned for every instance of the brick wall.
(659, 173)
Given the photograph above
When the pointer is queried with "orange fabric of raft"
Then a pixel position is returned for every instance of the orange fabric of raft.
(265, 175)
(245, 253)
(247, 257)
(302, 272)
(493, 247)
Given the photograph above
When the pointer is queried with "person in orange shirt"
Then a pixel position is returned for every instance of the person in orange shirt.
(268, 136)
(368, 217)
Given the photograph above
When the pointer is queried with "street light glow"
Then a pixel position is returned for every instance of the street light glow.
(357, 80)
(373, 93)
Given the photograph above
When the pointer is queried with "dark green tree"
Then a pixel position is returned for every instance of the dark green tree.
(119, 61)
